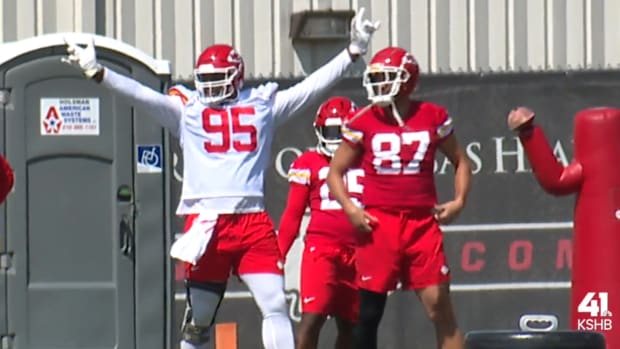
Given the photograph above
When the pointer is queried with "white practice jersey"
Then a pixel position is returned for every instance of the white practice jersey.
(226, 150)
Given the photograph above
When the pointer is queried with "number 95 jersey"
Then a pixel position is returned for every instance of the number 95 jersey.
(398, 161)
(226, 151)
(327, 218)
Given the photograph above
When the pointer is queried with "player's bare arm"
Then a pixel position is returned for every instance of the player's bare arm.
(344, 158)
(298, 197)
(447, 212)
(165, 109)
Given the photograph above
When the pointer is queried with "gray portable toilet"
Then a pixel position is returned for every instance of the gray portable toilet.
(84, 235)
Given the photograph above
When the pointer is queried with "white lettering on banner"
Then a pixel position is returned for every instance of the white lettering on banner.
(504, 158)
(69, 116)
(293, 268)
(177, 169)
(503, 155)
(279, 163)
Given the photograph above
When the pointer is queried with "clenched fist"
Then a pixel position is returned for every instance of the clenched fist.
(519, 118)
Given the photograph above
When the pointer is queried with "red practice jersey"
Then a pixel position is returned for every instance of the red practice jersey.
(327, 219)
(398, 161)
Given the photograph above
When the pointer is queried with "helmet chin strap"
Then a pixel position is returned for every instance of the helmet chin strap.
(222, 102)
(361, 111)
(396, 114)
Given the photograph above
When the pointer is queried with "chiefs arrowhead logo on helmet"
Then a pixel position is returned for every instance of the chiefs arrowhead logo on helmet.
(391, 72)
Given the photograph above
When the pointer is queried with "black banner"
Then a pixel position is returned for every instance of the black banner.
(510, 250)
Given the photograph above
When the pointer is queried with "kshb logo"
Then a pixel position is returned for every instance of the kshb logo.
(596, 306)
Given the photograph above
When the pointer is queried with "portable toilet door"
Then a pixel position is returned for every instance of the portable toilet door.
(84, 237)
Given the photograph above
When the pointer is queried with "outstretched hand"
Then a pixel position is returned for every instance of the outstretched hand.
(83, 58)
(361, 33)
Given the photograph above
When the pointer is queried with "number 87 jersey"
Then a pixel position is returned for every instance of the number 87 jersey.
(398, 161)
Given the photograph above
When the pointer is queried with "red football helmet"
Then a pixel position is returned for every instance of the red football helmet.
(218, 74)
(330, 117)
(391, 72)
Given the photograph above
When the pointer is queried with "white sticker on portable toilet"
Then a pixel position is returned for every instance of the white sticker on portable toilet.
(149, 158)
(69, 116)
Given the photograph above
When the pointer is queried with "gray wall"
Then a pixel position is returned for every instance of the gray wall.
(445, 35)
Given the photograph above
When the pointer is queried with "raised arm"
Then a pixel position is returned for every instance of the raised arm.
(167, 110)
(290, 101)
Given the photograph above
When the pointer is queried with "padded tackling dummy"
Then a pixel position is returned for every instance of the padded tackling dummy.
(6, 179)
(594, 175)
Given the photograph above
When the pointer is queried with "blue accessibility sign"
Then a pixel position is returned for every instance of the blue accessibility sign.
(149, 158)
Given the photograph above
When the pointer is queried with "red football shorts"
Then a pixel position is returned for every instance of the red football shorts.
(327, 283)
(404, 246)
(244, 243)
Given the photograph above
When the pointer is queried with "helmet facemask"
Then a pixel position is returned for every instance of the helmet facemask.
(329, 135)
(216, 85)
(383, 83)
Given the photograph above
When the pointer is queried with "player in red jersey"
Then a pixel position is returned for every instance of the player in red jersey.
(396, 138)
(328, 268)
(7, 179)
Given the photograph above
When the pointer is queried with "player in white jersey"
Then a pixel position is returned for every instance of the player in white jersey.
(226, 135)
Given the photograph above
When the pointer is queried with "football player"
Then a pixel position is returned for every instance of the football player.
(327, 285)
(396, 139)
(226, 132)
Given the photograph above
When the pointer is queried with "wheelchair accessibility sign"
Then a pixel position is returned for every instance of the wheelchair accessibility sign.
(149, 158)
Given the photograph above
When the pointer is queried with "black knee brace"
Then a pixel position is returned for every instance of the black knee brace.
(196, 330)
(365, 331)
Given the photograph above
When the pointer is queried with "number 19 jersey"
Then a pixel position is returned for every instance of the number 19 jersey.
(398, 161)
(327, 218)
